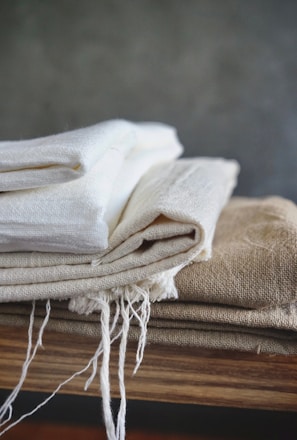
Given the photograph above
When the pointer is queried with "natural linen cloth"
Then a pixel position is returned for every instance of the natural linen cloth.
(254, 262)
(169, 220)
(272, 330)
(73, 187)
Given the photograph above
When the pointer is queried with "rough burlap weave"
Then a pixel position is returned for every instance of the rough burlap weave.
(254, 261)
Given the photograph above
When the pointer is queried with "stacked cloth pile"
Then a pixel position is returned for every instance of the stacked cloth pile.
(104, 232)
(243, 298)
(103, 217)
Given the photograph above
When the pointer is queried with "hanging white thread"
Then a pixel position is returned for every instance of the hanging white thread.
(7, 405)
(78, 373)
(104, 370)
(142, 318)
(125, 306)
(121, 418)
(99, 349)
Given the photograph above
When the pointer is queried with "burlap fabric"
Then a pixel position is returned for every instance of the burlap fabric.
(254, 262)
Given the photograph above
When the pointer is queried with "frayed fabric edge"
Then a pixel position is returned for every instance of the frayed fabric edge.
(131, 302)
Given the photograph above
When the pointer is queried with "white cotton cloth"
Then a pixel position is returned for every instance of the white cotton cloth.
(169, 220)
(62, 157)
(76, 216)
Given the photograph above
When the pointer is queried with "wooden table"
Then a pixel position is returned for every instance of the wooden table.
(167, 374)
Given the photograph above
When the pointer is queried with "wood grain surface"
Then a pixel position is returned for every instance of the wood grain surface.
(168, 374)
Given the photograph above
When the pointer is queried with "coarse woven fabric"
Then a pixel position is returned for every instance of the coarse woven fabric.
(78, 215)
(254, 262)
(170, 324)
(169, 219)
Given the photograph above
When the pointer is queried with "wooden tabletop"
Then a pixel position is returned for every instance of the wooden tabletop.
(168, 373)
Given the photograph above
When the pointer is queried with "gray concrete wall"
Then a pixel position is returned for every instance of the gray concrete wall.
(223, 72)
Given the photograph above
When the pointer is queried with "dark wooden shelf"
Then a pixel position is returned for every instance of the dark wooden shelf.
(167, 374)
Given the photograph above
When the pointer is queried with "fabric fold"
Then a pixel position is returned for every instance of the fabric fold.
(182, 324)
(243, 298)
(169, 220)
(57, 208)
(59, 158)
(62, 157)
(103, 217)
(212, 310)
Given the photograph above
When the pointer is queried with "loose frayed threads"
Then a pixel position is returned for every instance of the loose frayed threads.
(127, 307)
(6, 410)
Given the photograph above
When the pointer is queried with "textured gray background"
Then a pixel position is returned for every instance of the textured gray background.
(223, 72)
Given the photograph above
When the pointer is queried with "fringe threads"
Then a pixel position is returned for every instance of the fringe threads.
(130, 302)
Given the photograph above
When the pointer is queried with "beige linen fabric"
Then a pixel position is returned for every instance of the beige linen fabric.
(200, 326)
(254, 262)
(169, 219)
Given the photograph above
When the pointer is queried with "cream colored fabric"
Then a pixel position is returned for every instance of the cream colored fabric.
(254, 263)
(169, 220)
(73, 187)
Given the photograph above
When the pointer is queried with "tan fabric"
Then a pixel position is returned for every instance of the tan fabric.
(176, 314)
(160, 229)
(176, 329)
(279, 317)
(254, 261)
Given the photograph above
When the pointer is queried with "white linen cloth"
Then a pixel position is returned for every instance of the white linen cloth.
(61, 157)
(77, 216)
(67, 156)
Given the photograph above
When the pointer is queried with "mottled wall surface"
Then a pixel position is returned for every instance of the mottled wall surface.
(223, 72)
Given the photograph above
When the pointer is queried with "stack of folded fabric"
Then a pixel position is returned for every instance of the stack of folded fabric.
(106, 220)
(105, 217)
(244, 298)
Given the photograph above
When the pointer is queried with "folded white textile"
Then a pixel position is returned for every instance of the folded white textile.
(67, 156)
(169, 220)
(76, 216)
(62, 157)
